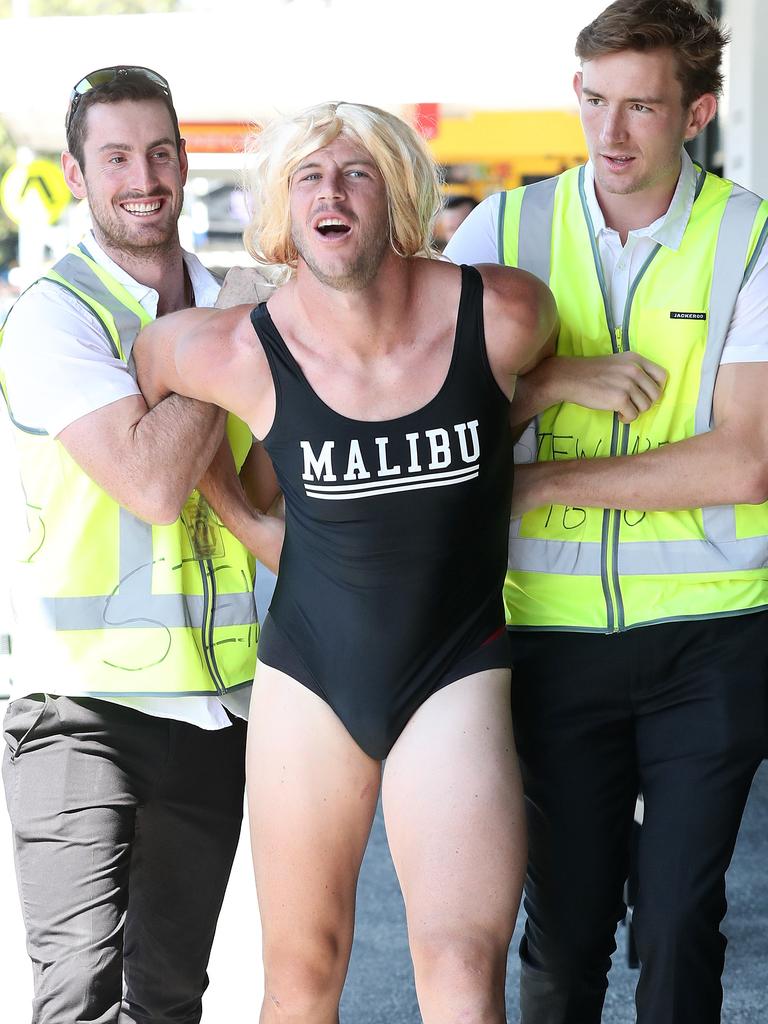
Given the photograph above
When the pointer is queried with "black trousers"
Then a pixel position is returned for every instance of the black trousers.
(125, 827)
(677, 711)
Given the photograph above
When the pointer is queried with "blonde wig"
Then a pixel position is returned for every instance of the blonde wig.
(409, 171)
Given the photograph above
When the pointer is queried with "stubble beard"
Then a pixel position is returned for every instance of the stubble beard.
(648, 178)
(361, 271)
(112, 233)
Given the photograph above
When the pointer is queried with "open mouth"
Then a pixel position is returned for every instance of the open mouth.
(332, 227)
(142, 209)
(618, 161)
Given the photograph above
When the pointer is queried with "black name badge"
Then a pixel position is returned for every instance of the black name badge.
(687, 316)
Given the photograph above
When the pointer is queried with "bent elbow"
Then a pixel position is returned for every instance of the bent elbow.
(159, 506)
(166, 516)
(755, 485)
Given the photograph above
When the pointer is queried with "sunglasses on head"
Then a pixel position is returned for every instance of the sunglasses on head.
(106, 75)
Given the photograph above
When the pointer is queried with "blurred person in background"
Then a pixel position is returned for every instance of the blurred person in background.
(637, 586)
(135, 645)
(456, 209)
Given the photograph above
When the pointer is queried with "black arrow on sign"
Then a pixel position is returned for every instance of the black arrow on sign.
(39, 183)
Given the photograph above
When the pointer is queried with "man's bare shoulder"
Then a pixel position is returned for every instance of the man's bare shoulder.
(225, 330)
(436, 269)
(440, 279)
(507, 292)
(516, 294)
(520, 318)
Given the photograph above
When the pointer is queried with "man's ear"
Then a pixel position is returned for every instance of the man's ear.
(700, 113)
(578, 80)
(183, 161)
(73, 175)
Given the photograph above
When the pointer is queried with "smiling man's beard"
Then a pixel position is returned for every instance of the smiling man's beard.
(145, 243)
(358, 274)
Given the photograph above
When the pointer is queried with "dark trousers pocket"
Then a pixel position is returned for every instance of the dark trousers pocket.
(22, 717)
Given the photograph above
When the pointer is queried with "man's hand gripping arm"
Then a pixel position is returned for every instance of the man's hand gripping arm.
(625, 383)
(727, 465)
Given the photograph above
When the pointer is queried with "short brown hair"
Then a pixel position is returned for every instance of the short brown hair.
(131, 88)
(696, 39)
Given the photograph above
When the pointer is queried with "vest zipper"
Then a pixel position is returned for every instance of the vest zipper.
(609, 552)
(612, 522)
(621, 343)
(206, 628)
(609, 576)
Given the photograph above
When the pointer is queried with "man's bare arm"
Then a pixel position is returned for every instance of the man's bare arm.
(258, 478)
(211, 355)
(728, 465)
(625, 383)
(147, 460)
(520, 323)
(149, 452)
(234, 504)
(242, 500)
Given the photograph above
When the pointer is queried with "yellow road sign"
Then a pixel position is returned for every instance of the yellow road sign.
(40, 182)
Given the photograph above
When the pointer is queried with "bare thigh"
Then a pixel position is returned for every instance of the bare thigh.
(312, 795)
(455, 820)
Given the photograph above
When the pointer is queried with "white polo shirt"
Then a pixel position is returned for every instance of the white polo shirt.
(476, 241)
(59, 367)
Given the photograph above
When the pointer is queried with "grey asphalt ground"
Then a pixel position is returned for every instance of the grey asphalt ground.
(380, 988)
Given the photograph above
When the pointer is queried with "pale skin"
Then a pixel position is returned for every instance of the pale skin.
(374, 346)
(635, 122)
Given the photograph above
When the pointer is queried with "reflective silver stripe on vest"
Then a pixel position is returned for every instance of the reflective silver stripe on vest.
(500, 228)
(756, 251)
(637, 558)
(131, 611)
(672, 557)
(75, 270)
(721, 551)
(132, 605)
(563, 557)
(728, 276)
(534, 244)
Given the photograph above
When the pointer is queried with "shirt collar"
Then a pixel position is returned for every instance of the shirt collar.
(204, 285)
(667, 230)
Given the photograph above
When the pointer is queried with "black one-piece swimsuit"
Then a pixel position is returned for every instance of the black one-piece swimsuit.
(395, 553)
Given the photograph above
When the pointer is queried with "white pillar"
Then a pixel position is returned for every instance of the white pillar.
(33, 229)
(746, 139)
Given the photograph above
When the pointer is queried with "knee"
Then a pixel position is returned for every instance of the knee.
(301, 977)
(464, 969)
(582, 947)
(670, 926)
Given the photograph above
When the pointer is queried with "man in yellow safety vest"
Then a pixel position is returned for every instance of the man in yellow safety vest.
(637, 590)
(135, 645)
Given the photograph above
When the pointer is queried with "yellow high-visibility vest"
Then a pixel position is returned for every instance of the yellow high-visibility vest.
(605, 570)
(109, 605)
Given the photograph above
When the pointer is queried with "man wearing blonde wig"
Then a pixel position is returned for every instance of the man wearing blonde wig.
(383, 402)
